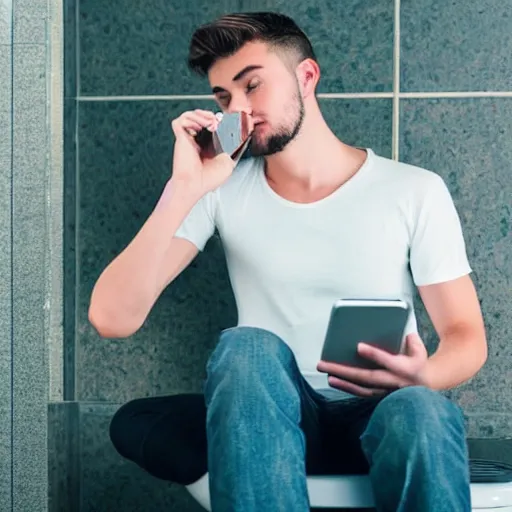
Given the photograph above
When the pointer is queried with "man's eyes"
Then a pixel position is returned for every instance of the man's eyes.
(226, 98)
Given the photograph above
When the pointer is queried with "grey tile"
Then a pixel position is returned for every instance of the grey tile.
(63, 457)
(363, 123)
(488, 392)
(125, 157)
(468, 143)
(353, 40)
(126, 50)
(30, 372)
(110, 482)
(493, 427)
(6, 88)
(129, 50)
(5, 277)
(6, 22)
(30, 21)
(455, 46)
(5, 441)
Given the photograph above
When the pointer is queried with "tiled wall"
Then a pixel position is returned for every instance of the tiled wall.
(441, 99)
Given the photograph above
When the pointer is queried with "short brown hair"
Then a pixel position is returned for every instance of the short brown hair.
(226, 35)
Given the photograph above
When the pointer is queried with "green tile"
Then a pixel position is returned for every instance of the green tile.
(467, 141)
(125, 155)
(455, 46)
(110, 482)
(129, 50)
(69, 39)
(353, 40)
(125, 160)
(491, 449)
(63, 457)
(359, 122)
(69, 257)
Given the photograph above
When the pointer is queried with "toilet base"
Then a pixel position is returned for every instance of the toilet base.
(354, 491)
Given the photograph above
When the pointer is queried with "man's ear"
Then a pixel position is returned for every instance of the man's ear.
(308, 75)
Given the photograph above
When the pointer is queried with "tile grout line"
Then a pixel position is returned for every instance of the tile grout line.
(457, 94)
(211, 97)
(348, 96)
(396, 85)
(55, 195)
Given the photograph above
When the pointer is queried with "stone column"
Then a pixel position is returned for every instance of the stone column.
(29, 227)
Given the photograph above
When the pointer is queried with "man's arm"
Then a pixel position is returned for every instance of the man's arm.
(454, 310)
(127, 289)
(130, 285)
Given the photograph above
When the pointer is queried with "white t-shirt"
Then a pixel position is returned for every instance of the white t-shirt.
(388, 228)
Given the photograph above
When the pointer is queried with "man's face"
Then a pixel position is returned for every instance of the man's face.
(257, 81)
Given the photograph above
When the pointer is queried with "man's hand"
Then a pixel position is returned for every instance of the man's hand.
(200, 171)
(398, 371)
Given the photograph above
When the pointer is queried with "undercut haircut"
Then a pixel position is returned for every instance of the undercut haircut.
(227, 34)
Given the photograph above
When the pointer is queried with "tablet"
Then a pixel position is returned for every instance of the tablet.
(376, 322)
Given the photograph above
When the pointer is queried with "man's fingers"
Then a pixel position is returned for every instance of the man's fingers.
(193, 131)
(354, 389)
(374, 378)
(192, 123)
(381, 357)
(414, 346)
(206, 114)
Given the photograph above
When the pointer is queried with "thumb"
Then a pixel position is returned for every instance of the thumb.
(414, 346)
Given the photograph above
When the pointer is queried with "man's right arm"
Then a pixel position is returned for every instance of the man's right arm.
(127, 289)
(130, 285)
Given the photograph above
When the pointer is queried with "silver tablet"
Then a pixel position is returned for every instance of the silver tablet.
(377, 322)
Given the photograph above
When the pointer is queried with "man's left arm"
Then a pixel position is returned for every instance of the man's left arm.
(454, 310)
(441, 272)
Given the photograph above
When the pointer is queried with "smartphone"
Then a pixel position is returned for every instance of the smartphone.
(232, 136)
(377, 322)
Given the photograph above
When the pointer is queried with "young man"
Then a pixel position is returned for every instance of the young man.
(304, 221)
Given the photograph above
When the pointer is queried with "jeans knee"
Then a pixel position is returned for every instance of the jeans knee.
(251, 372)
(415, 416)
(248, 351)
(250, 363)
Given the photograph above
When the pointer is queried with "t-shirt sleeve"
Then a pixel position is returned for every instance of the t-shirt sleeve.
(438, 250)
(199, 224)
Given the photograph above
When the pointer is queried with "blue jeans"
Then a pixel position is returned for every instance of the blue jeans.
(267, 429)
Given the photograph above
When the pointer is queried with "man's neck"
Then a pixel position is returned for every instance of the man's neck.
(314, 164)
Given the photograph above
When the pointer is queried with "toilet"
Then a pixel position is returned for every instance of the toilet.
(491, 490)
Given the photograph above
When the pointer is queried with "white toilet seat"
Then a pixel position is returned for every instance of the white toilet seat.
(354, 491)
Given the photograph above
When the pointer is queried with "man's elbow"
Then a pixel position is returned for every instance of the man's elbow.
(480, 349)
(108, 326)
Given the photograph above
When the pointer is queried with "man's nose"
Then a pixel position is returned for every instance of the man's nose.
(239, 104)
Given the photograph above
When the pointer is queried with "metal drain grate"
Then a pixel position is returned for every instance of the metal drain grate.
(489, 471)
